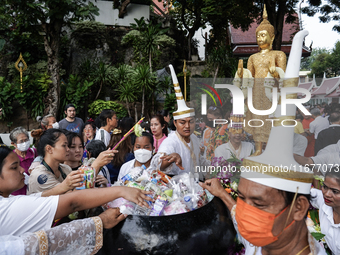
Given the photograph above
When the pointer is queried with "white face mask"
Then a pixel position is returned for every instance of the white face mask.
(55, 125)
(142, 155)
(23, 146)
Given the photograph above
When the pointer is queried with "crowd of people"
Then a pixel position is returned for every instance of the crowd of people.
(38, 183)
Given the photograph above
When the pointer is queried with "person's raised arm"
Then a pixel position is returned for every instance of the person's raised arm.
(104, 158)
(72, 181)
(215, 188)
(90, 198)
(167, 160)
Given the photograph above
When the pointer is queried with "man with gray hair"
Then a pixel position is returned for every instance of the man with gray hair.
(318, 124)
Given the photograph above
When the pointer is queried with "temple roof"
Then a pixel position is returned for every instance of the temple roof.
(327, 86)
(244, 43)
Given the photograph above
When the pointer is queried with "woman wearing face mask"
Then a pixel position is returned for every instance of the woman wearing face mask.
(20, 140)
(142, 149)
(214, 136)
(159, 129)
(327, 200)
(52, 173)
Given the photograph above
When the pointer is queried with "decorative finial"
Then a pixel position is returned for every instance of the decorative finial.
(265, 15)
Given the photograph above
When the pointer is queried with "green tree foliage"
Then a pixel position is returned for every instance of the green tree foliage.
(125, 88)
(327, 62)
(97, 106)
(306, 62)
(145, 81)
(75, 91)
(329, 10)
(221, 62)
(147, 39)
(191, 15)
(7, 96)
(47, 18)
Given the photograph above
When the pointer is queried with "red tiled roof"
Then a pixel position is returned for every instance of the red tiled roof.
(307, 85)
(335, 93)
(249, 36)
(327, 86)
(160, 6)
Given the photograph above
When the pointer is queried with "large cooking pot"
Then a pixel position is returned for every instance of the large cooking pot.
(207, 230)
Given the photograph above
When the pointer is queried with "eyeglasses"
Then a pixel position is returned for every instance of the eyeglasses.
(212, 108)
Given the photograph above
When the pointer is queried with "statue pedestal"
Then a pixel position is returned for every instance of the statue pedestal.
(207, 230)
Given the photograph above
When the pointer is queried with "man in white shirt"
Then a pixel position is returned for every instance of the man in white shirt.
(318, 124)
(183, 141)
(235, 146)
(108, 121)
(326, 158)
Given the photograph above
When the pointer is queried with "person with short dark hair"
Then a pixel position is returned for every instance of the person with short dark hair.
(108, 121)
(330, 135)
(76, 150)
(93, 149)
(71, 122)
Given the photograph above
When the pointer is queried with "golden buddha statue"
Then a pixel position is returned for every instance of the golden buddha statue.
(269, 64)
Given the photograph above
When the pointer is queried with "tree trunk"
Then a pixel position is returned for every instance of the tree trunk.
(215, 75)
(136, 114)
(276, 16)
(150, 62)
(143, 98)
(51, 44)
(128, 108)
(100, 88)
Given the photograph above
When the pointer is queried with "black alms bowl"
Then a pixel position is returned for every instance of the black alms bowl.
(207, 230)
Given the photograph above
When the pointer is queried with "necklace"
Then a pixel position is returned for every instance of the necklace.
(63, 175)
(234, 151)
(302, 250)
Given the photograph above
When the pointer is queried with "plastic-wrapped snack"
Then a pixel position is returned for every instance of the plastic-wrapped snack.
(151, 186)
(176, 207)
(118, 202)
(209, 195)
(140, 210)
(158, 206)
(164, 177)
(126, 210)
(134, 185)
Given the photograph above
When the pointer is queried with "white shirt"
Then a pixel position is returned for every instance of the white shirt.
(328, 228)
(172, 144)
(300, 144)
(327, 157)
(103, 136)
(11, 245)
(320, 123)
(21, 214)
(125, 168)
(225, 151)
